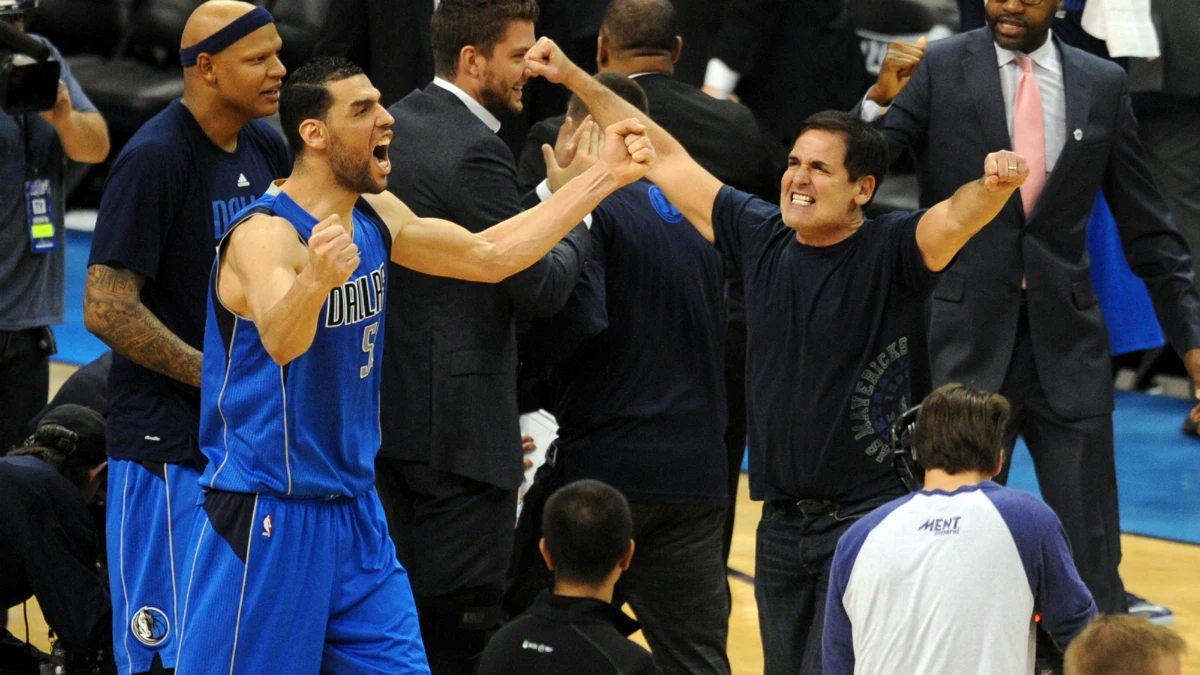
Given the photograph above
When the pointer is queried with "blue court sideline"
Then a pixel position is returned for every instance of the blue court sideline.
(1158, 469)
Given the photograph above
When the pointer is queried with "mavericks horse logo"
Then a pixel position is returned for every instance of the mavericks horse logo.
(150, 626)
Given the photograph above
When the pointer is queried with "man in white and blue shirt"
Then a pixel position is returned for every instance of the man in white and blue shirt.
(951, 578)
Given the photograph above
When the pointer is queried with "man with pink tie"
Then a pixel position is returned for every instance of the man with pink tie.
(1016, 313)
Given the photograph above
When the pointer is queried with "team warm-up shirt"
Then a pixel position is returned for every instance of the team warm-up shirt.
(170, 198)
(308, 429)
(938, 582)
(643, 407)
(835, 348)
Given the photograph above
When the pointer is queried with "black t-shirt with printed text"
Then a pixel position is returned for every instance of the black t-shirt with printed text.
(836, 349)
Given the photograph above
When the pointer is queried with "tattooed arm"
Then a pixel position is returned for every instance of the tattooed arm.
(113, 311)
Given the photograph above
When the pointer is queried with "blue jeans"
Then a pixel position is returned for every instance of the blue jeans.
(795, 546)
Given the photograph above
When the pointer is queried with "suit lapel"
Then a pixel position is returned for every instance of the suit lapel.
(1076, 93)
(981, 73)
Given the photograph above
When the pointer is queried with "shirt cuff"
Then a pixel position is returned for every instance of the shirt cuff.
(872, 111)
(721, 77)
(543, 193)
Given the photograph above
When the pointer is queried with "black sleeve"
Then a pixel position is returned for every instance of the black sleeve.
(735, 216)
(346, 33)
(61, 568)
(584, 315)
(531, 168)
(744, 24)
(1153, 246)
(910, 271)
(541, 290)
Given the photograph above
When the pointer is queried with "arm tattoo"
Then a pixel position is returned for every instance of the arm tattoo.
(114, 312)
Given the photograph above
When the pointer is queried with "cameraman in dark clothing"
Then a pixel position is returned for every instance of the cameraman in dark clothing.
(588, 530)
(48, 542)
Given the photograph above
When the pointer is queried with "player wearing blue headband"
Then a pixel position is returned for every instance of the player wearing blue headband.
(169, 199)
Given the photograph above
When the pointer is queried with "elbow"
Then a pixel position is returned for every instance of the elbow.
(491, 265)
(95, 153)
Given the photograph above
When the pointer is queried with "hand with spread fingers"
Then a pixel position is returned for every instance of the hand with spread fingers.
(1004, 170)
(628, 152)
(573, 153)
(898, 66)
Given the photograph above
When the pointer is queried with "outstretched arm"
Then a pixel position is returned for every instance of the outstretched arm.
(442, 248)
(268, 275)
(946, 227)
(689, 187)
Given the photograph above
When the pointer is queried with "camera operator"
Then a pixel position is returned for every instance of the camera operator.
(34, 149)
(48, 542)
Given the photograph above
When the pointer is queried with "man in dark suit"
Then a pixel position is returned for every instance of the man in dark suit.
(787, 59)
(1017, 313)
(388, 38)
(450, 461)
(639, 39)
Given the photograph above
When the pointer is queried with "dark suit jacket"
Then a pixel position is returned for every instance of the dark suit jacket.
(388, 38)
(952, 115)
(795, 57)
(450, 359)
(722, 136)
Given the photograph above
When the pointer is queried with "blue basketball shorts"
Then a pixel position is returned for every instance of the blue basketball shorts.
(150, 508)
(297, 587)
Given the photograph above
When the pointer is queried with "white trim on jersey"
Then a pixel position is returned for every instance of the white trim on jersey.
(287, 450)
(124, 586)
(171, 546)
(220, 397)
(245, 574)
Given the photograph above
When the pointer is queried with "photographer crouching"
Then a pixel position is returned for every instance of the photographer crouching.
(49, 544)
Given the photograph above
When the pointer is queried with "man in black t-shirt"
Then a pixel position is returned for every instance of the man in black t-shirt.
(835, 333)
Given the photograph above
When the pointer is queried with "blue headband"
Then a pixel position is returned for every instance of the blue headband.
(218, 41)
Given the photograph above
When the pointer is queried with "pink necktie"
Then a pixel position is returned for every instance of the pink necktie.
(1029, 133)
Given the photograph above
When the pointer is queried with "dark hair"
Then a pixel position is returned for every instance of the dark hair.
(587, 527)
(478, 23)
(70, 438)
(641, 27)
(960, 429)
(867, 151)
(305, 95)
(622, 86)
(1118, 644)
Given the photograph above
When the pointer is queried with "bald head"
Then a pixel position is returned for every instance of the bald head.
(211, 17)
(641, 27)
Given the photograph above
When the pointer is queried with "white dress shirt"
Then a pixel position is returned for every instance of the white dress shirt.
(1047, 70)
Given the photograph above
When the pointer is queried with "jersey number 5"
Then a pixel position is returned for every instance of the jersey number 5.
(369, 335)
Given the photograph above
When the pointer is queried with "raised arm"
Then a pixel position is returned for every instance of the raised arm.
(946, 227)
(442, 248)
(268, 275)
(689, 187)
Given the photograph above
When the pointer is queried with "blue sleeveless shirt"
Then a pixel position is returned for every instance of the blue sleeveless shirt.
(308, 429)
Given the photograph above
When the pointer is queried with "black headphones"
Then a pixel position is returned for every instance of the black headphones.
(904, 451)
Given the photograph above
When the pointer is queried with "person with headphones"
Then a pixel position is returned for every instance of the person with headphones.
(49, 545)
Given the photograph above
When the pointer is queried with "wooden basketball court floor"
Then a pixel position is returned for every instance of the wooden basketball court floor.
(1162, 571)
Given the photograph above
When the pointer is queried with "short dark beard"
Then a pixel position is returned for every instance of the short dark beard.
(351, 173)
(1028, 45)
(496, 101)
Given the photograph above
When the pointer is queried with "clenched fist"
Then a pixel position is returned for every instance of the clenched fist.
(1004, 170)
(898, 66)
(332, 254)
(628, 152)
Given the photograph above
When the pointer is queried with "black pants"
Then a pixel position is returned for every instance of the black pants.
(1076, 472)
(24, 381)
(454, 536)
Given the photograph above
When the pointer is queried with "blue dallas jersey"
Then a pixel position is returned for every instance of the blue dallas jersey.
(308, 429)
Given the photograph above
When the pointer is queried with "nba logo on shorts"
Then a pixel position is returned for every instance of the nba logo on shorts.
(150, 626)
(267, 526)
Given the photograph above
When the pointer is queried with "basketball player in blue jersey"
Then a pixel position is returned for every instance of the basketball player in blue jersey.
(293, 569)
(169, 199)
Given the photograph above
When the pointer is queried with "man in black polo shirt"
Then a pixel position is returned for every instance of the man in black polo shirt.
(643, 407)
(835, 330)
(588, 544)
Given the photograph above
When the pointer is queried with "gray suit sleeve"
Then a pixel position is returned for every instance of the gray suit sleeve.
(486, 188)
(1155, 249)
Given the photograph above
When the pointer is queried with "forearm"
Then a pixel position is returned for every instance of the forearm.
(973, 206)
(288, 326)
(84, 137)
(522, 240)
(114, 313)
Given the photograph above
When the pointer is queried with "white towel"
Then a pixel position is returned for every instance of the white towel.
(1125, 26)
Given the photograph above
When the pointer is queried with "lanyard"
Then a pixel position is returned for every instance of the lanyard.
(31, 169)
